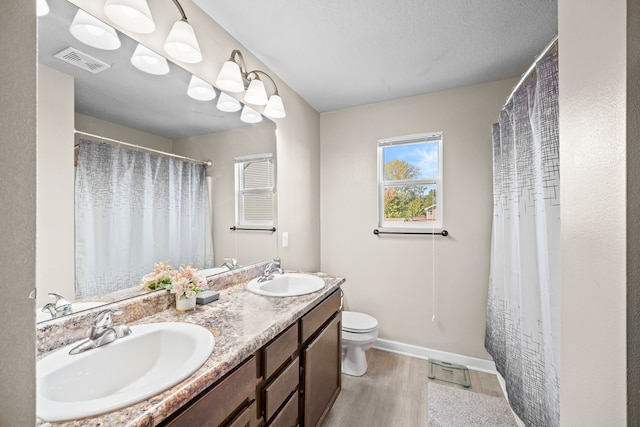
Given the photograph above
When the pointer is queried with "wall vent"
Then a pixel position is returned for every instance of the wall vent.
(80, 59)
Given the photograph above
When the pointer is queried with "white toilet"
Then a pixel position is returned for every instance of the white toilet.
(359, 332)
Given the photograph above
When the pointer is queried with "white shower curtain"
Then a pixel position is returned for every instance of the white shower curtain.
(134, 209)
(523, 312)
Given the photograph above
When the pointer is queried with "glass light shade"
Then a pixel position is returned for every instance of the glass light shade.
(132, 15)
(42, 7)
(256, 94)
(275, 107)
(92, 31)
(182, 44)
(230, 77)
(200, 90)
(249, 115)
(144, 59)
(227, 103)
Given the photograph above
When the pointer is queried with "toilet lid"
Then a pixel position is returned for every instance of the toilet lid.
(358, 322)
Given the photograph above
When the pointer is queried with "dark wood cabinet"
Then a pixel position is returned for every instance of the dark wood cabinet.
(288, 416)
(231, 401)
(292, 381)
(322, 372)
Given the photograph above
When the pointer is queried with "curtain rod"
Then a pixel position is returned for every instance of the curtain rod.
(532, 66)
(207, 163)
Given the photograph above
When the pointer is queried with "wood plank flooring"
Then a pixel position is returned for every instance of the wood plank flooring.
(393, 393)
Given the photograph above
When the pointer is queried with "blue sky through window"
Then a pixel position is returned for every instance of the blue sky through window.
(424, 155)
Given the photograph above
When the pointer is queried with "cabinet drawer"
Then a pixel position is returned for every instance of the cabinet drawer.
(317, 317)
(280, 351)
(224, 400)
(288, 417)
(280, 388)
(246, 418)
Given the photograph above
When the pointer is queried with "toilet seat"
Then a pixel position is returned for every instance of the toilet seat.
(358, 323)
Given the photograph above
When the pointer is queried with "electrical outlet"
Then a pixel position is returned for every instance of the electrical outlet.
(285, 239)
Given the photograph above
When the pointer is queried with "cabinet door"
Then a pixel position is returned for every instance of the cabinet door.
(322, 372)
(223, 401)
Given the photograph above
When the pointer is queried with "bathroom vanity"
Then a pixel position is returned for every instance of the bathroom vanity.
(294, 377)
(276, 361)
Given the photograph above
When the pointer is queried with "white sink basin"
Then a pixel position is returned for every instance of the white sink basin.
(150, 360)
(41, 316)
(287, 285)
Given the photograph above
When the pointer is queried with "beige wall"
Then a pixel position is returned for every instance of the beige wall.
(222, 148)
(633, 213)
(298, 135)
(55, 227)
(593, 164)
(390, 277)
(99, 127)
(18, 212)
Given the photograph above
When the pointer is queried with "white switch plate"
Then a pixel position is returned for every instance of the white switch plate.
(285, 239)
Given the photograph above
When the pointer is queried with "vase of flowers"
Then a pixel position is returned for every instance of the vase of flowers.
(185, 283)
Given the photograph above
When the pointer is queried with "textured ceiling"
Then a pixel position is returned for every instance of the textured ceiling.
(338, 54)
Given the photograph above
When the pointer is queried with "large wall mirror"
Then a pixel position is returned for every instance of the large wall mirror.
(123, 103)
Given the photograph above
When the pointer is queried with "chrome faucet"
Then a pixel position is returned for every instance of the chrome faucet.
(61, 307)
(230, 263)
(271, 268)
(103, 331)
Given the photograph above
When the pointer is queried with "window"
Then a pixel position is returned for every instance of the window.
(254, 190)
(410, 181)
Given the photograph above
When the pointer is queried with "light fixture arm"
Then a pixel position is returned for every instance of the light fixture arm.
(181, 10)
(235, 55)
(275, 87)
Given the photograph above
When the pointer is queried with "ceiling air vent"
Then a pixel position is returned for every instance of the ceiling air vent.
(82, 60)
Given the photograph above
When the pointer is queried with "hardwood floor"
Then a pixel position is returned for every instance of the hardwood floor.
(393, 393)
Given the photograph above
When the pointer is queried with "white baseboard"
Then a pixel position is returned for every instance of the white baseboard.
(475, 363)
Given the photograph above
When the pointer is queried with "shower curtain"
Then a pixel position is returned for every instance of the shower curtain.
(523, 311)
(134, 209)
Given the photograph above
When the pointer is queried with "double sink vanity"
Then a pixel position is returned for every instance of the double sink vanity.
(265, 353)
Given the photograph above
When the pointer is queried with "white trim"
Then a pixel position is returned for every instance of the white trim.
(474, 363)
(411, 139)
(253, 157)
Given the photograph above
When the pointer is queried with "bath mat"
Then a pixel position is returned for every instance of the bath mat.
(445, 371)
(454, 407)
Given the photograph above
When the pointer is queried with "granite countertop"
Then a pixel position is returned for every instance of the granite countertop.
(241, 323)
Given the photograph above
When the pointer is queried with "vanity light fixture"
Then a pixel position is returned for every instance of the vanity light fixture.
(42, 7)
(93, 32)
(135, 15)
(132, 15)
(227, 103)
(249, 115)
(200, 90)
(144, 59)
(234, 77)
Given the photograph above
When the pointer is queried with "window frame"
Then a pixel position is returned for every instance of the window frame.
(433, 181)
(240, 191)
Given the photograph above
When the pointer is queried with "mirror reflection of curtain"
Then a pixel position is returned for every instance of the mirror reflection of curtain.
(523, 311)
(134, 209)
